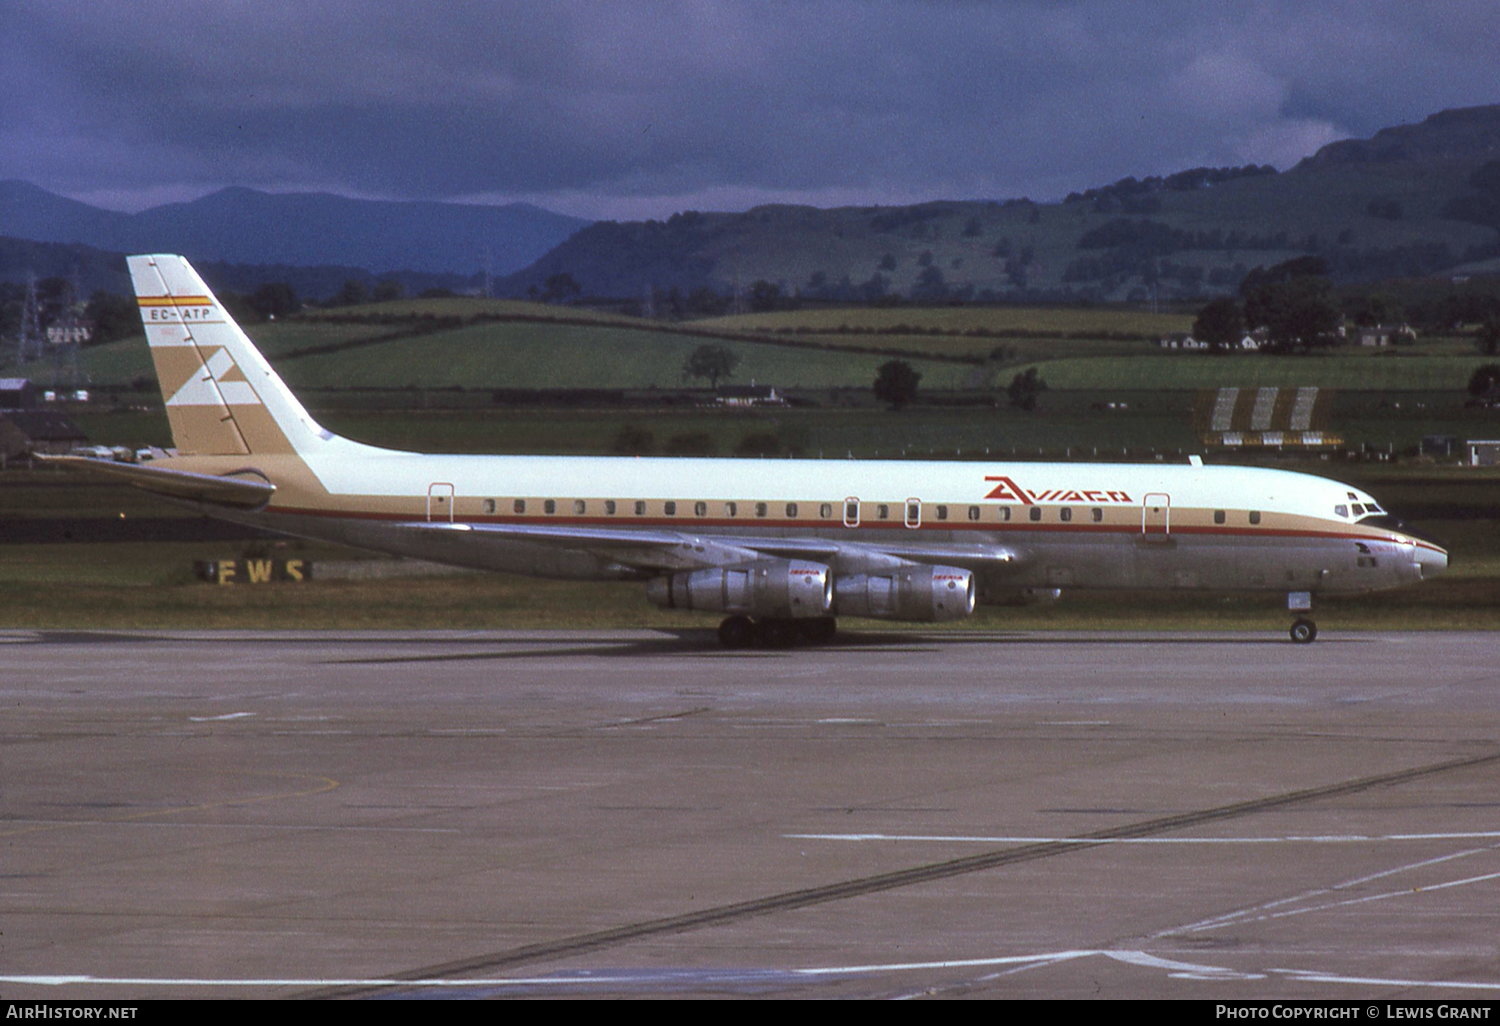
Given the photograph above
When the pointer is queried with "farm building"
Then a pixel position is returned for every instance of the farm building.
(16, 394)
(45, 431)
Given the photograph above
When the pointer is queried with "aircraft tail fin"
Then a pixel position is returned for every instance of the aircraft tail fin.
(222, 396)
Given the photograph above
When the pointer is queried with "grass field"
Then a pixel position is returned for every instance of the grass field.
(1084, 322)
(1345, 370)
(1068, 424)
(558, 356)
(1076, 349)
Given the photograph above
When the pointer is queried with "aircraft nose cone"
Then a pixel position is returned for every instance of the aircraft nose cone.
(1431, 560)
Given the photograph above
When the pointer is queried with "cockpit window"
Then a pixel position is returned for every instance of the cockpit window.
(1341, 510)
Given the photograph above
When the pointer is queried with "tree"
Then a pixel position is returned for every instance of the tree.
(1293, 301)
(1487, 338)
(1484, 383)
(561, 288)
(114, 317)
(352, 294)
(896, 383)
(711, 362)
(1220, 324)
(1025, 389)
(764, 296)
(275, 299)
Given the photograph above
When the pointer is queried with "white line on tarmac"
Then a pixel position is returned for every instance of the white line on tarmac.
(1278, 909)
(605, 978)
(1287, 839)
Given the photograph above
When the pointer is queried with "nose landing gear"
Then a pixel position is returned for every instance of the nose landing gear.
(1303, 631)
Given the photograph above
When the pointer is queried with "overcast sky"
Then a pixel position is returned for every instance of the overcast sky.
(631, 109)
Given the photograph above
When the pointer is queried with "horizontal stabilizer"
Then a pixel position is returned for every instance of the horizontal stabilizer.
(243, 489)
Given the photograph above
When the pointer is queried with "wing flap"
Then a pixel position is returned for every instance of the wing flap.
(657, 549)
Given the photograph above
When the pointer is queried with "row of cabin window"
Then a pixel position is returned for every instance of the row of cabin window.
(669, 508)
(825, 510)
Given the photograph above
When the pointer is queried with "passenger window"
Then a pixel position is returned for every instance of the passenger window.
(1255, 516)
(550, 506)
(825, 510)
(1005, 513)
(882, 512)
(973, 512)
(671, 509)
(1036, 513)
(1097, 514)
(1065, 514)
(579, 506)
(942, 512)
(791, 510)
(700, 509)
(519, 506)
(489, 505)
(640, 509)
(609, 506)
(761, 509)
(1220, 516)
(731, 509)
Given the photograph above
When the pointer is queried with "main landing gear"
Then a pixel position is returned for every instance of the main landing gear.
(743, 632)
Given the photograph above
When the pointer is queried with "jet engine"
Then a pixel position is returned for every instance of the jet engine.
(765, 589)
(927, 593)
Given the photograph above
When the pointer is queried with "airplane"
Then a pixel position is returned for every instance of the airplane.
(780, 547)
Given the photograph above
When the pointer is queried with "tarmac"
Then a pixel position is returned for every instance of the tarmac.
(1222, 816)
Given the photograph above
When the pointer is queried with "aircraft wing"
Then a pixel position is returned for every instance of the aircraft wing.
(243, 489)
(657, 549)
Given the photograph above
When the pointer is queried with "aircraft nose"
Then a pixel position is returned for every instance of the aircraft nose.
(1431, 560)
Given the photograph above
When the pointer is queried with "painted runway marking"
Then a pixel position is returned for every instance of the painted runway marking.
(1287, 839)
(616, 978)
(1279, 909)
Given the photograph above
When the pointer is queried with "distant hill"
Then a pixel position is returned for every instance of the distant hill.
(1413, 200)
(98, 269)
(245, 226)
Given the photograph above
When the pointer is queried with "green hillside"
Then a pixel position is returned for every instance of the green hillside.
(559, 356)
(1406, 202)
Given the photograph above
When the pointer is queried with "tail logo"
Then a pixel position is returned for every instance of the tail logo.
(219, 383)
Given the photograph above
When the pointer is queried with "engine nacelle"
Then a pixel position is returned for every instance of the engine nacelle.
(769, 588)
(928, 593)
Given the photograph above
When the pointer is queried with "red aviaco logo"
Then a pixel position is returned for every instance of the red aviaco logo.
(1006, 490)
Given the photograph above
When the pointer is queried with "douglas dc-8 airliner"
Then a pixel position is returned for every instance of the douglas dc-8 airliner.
(779, 546)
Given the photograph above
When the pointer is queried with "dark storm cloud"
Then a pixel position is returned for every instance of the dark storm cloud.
(642, 107)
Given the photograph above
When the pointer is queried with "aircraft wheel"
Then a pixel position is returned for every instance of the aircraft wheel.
(1304, 631)
(737, 632)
